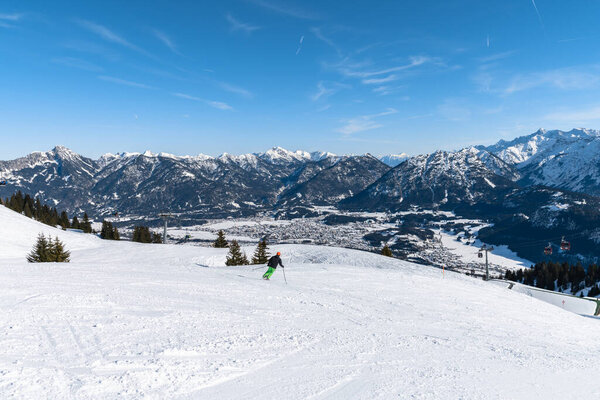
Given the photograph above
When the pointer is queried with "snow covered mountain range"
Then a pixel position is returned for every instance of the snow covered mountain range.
(566, 160)
(144, 183)
(538, 186)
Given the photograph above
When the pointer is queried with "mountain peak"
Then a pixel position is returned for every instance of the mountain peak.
(62, 150)
(393, 160)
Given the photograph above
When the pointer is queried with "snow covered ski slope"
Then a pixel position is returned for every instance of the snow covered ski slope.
(132, 321)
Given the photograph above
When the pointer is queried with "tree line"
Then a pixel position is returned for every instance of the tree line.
(561, 277)
(33, 208)
(142, 234)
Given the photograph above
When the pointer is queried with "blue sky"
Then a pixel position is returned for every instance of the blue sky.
(189, 77)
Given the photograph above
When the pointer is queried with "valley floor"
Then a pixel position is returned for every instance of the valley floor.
(164, 321)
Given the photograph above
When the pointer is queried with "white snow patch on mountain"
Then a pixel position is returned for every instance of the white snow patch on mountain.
(394, 159)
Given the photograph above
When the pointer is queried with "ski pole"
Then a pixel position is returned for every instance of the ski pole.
(254, 269)
(283, 269)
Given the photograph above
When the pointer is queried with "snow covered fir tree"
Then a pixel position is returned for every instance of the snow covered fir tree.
(109, 232)
(48, 250)
(261, 255)
(235, 255)
(220, 242)
(386, 251)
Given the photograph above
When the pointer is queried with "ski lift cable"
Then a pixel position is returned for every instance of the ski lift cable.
(534, 243)
(537, 242)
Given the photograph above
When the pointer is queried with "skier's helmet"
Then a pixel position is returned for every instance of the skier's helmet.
(278, 253)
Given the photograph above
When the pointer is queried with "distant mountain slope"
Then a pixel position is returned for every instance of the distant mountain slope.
(394, 159)
(523, 217)
(566, 160)
(346, 177)
(146, 183)
(432, 180)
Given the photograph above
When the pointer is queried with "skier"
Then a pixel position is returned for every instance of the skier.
(272, 264)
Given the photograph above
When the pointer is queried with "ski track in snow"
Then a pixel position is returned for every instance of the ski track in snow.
(126, 320)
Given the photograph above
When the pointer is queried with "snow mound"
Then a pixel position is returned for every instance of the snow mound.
(127, 320)
(19, 234)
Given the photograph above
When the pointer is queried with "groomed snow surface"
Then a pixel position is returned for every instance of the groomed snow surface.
(126, 320)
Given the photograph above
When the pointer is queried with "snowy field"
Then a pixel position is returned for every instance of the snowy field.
(127, 320)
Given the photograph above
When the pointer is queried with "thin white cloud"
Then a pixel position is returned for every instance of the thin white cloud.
(216, 104)
(497, 56)
(187, 96)
(237, 25)
(166, 40)
(236, 90)
(364, 122)
(575, 39)
(109, 35)
(414, 61)
(581, 77)
(78, 63)
(219, 104)
(124, 82)
(11, 17)
(319, 35)
(300, 45)
(575, 117)
(285, 8)
(378, 81)
(385, 90)
(572, 78)
(7, 19)
(326, 89)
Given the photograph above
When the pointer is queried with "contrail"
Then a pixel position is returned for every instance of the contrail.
(300, 44)
(538, 13)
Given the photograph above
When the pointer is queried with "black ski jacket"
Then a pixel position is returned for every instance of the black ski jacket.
(274, 261)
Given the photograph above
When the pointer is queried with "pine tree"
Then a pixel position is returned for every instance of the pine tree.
(386, 251)
(156, 237)
(75, 223)
(221, 243)
(135, 237)
(86, 225)
(58, 253)
(142, 234)
(41, 250)
(235, 255)
(260, 254)
(27, 211)
(64, 220)
(48, 250)
(107, 230)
